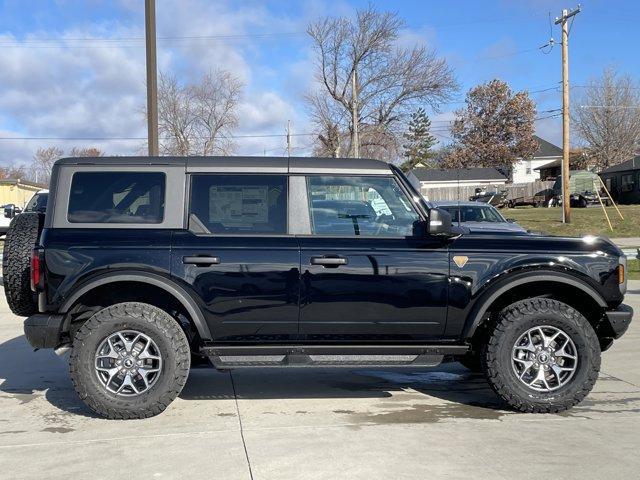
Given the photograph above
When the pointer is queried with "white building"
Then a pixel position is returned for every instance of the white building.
(458, 177)
(524, 171)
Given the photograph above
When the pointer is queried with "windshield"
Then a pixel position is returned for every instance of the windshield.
(38, 203)
(472, 213)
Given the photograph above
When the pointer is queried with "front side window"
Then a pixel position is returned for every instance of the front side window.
(359, 206)
(240, 204)
(117, 197)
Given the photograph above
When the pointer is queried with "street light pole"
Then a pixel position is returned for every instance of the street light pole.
(152, 77)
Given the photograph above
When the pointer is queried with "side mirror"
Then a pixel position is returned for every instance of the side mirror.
(511, 220)
(9, 211)
(440, 223)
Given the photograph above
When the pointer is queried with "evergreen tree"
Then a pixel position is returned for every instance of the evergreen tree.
(417, 149)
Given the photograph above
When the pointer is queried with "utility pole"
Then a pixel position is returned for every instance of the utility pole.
(152, 77)
(566, 195)
(288, 138)
(355, 140)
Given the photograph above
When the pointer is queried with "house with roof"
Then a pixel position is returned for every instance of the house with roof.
(459, 177)
(529, 170)
(623, 181)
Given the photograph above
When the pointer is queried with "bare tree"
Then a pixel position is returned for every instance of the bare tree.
(392, 81)
(494, 129)
(15, 171)
(198, 119)
(86, 152)
(42, 163)
(606, 116)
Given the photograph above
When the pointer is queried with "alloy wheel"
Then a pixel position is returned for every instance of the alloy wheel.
(544, 358)
(128, 363)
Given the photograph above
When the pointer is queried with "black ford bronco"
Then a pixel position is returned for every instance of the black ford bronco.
(143, 265)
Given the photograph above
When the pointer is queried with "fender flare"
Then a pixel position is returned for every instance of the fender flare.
(486, 300)
(169, 286)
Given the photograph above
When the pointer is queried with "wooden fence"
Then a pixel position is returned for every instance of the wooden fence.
(463, 192)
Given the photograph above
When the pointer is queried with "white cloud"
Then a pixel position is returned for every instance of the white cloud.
(53, 90)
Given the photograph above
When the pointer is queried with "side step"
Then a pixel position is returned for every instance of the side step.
(330, 355)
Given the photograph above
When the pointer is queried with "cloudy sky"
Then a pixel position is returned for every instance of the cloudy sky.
(72, 72)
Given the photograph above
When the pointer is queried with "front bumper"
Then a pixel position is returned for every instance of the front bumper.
(618, 320)
(43, 330)
(613, 325)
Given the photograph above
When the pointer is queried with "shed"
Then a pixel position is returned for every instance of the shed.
(623, 181)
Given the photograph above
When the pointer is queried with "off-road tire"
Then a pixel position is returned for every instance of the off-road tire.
(16, 263)
(153, 322)
(516, 319)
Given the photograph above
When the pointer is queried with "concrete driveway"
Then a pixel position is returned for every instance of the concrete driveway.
(317, 423)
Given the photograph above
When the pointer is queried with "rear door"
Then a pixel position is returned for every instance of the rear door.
(238, 257)
(365, 275)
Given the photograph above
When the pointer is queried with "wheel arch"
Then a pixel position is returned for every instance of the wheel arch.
(177, 292)
(565, 283)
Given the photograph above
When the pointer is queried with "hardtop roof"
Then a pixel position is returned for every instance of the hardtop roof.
(301, 165)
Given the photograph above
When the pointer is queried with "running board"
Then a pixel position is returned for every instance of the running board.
(330, 355)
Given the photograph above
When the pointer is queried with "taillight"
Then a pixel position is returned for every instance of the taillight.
(36, 274)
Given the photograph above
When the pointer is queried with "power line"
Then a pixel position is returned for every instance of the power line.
(132, 42)
(235, 137)
(622, 107)
(98, 138)
(37, 42)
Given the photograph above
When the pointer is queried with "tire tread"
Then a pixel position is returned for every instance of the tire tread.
(166, 326)
(509, 318)
(20, 239)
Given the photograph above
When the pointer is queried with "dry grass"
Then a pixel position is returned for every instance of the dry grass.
(584, 221)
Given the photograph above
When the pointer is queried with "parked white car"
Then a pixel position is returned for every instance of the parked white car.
(38, 203)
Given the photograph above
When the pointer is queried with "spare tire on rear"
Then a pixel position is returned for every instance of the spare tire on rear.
(21, 237)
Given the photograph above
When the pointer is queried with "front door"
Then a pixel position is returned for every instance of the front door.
(238, 259)
(365, 276)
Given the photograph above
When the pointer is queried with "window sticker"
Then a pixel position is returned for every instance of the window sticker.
(239, 205)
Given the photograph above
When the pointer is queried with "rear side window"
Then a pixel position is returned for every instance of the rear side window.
(117, 197)
(242, 204)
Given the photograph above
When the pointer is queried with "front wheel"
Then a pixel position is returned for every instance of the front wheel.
(543, 356)
(129, 360)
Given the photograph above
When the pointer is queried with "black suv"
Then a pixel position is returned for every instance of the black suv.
(142, 265)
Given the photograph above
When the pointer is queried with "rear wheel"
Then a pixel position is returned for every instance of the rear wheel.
(543, 356)
(130, 360)
(16, 269)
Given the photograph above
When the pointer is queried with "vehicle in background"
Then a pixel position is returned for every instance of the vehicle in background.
(38, 202)
(479, 217)
(582, 188)
(495, 198)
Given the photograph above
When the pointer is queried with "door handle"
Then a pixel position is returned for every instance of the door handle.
(201, 260)
(329, 261)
